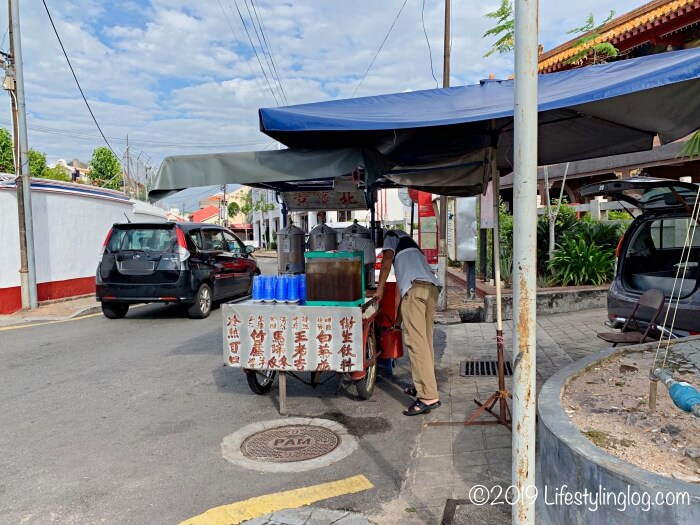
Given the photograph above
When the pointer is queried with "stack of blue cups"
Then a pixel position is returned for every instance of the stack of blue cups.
(302, 288)
(281, 289)
(293, 289)
(258, 284)
(269, 286)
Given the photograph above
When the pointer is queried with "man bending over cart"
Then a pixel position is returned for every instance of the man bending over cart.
(419, 289)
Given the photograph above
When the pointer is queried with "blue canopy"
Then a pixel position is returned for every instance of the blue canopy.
(437, 138)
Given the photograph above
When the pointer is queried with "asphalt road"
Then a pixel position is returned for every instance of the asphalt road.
(121, 421)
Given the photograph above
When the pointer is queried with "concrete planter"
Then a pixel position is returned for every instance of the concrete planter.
(552, 301)
(570, 464)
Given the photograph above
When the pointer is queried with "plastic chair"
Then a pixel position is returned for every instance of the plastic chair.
(637, 329)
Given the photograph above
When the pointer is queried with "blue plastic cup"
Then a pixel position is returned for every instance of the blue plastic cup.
(293, 289)
(302, 288)
(269, 288)
(258, 284)
(281, 289)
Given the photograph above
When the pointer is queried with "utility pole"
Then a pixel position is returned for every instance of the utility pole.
(128, 164)
(524, 258)
(442, 227)
(14, 83)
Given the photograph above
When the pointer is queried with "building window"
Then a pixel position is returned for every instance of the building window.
(344, 215)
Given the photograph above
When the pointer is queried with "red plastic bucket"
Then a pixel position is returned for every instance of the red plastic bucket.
(391, 343)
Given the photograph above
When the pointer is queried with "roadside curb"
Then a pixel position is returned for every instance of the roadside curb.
(86, 311)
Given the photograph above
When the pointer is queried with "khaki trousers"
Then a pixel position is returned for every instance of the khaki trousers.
(418, 313)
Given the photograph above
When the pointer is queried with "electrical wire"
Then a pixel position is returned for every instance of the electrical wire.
(380, 48)
(237, 38)
(255, 51)
(76, 80)
(264, 51)
(263, 30)
(427, 41)
(152, 143)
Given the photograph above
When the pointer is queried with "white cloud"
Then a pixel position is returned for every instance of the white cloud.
(181, 72)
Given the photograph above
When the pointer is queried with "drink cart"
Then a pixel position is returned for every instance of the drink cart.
(339, 329)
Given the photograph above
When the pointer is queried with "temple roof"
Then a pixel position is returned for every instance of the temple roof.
(651, 22)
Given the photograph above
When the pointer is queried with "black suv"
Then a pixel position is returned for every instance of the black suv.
(188, 263)
(660, 249)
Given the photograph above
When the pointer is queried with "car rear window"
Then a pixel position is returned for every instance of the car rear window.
(151, 239)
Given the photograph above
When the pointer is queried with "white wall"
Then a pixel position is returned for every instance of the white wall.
(70, 227)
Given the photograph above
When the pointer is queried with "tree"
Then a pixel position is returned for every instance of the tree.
(233, 209)
(590, 51)
(56, 173)
(692, 147)
(7, 164)
(505, 24)
(37, 163)
(105, 169)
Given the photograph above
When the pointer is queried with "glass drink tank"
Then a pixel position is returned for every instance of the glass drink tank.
(334, 279)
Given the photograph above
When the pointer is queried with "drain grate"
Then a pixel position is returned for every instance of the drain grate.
(483, 368)
(290, 443)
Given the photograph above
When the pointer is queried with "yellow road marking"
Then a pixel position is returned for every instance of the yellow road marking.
(42, 323)
(290, 499)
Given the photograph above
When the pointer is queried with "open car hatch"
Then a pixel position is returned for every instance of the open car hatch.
(646, 193)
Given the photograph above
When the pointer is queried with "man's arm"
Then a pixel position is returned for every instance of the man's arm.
(387, 260)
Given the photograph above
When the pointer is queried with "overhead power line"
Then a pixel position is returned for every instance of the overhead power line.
(267, 50)
(237, 38)
(152, 143)
(380, 48)
(76, 78)
(255, 51)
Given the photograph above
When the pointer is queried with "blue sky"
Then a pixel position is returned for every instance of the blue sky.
(180, 77)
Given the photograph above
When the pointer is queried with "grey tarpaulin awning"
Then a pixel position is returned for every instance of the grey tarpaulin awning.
(282, 170)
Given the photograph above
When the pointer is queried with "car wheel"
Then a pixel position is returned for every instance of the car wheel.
(260, 381)
(114, 310)
(201, 307)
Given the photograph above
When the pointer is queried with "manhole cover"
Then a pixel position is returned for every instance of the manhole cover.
(290, 443)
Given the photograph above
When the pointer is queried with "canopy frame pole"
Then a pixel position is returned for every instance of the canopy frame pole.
(524, 258)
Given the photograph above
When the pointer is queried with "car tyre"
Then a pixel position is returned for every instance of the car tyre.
(201, 307)
(114, 310)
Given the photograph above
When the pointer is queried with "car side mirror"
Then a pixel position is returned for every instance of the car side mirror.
(249, 249)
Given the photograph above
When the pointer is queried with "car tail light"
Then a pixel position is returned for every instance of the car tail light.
(619, 247)
(104, 244)
(182, 251)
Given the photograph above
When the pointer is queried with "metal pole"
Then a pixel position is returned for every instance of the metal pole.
(442, 227)
(23, 172)
(524, 260)
(23, 272)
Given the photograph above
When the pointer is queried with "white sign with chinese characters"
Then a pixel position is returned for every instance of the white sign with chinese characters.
(292, 337)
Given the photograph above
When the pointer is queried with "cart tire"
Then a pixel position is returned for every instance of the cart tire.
(365, 386)
(260, 381)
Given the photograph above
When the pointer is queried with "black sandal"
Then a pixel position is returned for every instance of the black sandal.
(411, 391)
(420, 408)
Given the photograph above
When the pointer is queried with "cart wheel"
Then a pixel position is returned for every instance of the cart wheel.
(260, 381)
(365, 386)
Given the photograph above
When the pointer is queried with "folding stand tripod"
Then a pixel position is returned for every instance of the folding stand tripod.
(501, 396)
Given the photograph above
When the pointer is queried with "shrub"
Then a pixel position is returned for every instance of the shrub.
(578, 262)
(604, 234)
